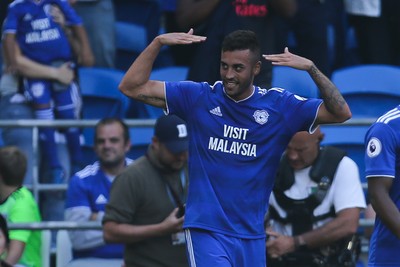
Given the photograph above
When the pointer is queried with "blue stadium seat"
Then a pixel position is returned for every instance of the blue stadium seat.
(295, 81)
(140, 139)
(370, 90)
(100, 95)
(137, 23)
(350, 139)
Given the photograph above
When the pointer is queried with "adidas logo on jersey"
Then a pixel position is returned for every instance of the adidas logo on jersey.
(27, 17)
(101, 199)
(216, 111)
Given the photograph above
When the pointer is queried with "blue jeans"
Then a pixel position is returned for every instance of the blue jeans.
(20, 136)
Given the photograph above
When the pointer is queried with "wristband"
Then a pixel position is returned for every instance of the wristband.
(299, 242)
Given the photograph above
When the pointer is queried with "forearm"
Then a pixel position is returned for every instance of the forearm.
(87, 238)
(33, 69)
(15, 251)
(9, 49)
(387, 211)
(338, 228)
(127, 233)
(190, 13)
(85, 55)
(333, 99)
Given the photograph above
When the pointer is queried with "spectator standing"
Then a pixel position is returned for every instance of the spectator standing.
(88, 193)
(237, 134)
(41, 39)
(18, 206)
(229, 15)
(377, 28)
(315, 205)
(14, 105)
(146, 206)
(382, 170)
(99, 21)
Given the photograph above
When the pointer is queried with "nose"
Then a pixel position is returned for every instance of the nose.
(292, 155)
(230, 73)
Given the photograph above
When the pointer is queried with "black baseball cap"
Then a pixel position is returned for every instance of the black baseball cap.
(172, 132)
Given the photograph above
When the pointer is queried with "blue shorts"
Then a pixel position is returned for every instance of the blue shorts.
(207, 249)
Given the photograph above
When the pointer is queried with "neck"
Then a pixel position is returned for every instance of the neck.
(6, 191)
(113, 170)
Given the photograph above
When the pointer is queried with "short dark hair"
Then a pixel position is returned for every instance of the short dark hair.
(106, 121)
(12, 165)
(4, 228)
(242, 40)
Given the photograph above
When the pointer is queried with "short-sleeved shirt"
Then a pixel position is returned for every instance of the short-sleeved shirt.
(139, 196)
(382, 160)
(88, 192)
(345, 192)
(234, 151)
(39, 37)
(21, 207)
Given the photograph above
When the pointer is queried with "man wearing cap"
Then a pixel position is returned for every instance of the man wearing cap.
(146, 206)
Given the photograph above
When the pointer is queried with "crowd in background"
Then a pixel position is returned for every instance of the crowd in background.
(333, 34)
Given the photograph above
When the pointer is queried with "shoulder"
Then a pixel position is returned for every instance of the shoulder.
(22, 194)
(16, 3)
(137, 166)
(89, 170)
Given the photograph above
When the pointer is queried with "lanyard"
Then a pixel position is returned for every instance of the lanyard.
(171, 192)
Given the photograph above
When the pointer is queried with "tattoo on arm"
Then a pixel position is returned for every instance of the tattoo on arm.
(151, 100)
(329, 92)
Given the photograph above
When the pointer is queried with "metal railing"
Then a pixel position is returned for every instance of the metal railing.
(35, 124)
(94, 225)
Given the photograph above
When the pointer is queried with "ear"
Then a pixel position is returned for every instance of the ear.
(257, 68)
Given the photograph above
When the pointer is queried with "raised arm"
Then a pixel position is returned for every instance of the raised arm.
(136, 83)
(334, 108)
(86, 57)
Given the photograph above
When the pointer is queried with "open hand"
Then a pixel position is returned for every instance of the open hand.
(290, 60)
(177, 38)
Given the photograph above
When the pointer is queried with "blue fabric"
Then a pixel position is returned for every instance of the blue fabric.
(234, 150)
(39, 37)
(91, 188)
(20, 137)
(214, 249)
(382, 159)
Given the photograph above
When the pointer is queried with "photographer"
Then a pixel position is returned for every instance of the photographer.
(315, 206)
(146, 206)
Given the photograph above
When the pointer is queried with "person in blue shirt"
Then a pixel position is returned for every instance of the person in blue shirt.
(42, 38)
(382, 170)
(89, 190)
(237, 134)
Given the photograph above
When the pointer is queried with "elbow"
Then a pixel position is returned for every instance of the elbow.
(127, 89)
(344, 115)
(123, 88)
(108, 234)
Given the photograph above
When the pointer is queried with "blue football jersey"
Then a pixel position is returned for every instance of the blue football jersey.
(39, 37)
(89, 190)
(234, 151)
(382, 160)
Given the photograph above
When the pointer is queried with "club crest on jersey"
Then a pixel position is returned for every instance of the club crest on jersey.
(374, 147)
(261, 116)
(37, 89)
